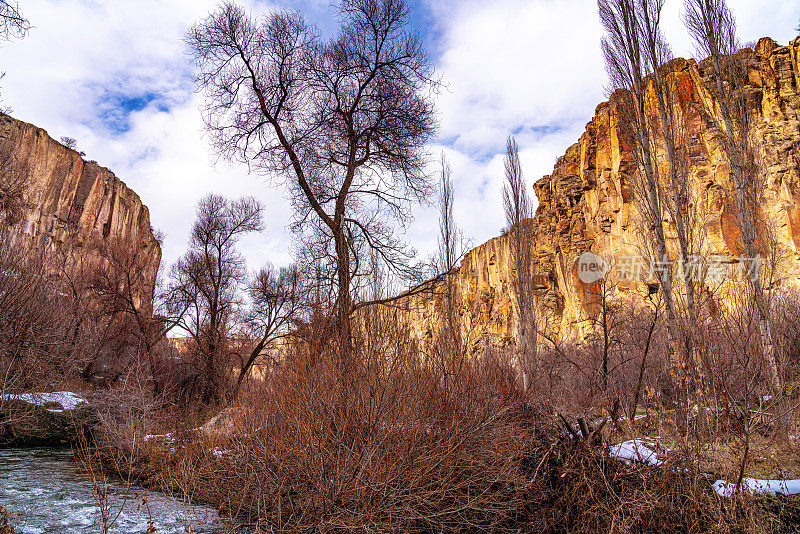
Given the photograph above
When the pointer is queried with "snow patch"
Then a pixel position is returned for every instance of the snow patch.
(162, 437)
(759, 486)
(635, 450)
(66, 399)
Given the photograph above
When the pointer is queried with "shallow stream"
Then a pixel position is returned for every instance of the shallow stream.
(51, 495)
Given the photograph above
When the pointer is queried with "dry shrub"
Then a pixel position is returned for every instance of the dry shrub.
(570, 376)
(53, 335)
(387, 446)
(586, 491)
(726, 372)
(392, 446)
(34, 319)
(786, 331)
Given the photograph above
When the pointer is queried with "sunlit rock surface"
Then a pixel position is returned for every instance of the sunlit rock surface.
(588, 204)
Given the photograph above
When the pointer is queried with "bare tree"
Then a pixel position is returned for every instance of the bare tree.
(626, 63)
(344, 121)
(609, 321)
(120, 288)
(644, 346)
(518, 209)
(713, 27)
(656, 53)
(451, 248)
(72, 144)
(276, 303)
(449, 350)
(69, 142)
(204, 294)
(12, 22)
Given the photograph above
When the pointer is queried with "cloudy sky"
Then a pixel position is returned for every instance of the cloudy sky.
(114, 75)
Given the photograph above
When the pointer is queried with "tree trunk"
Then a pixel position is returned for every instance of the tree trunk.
(344, 302)
(681, 225)
(665, 278)
(248, 364)
(747, 227)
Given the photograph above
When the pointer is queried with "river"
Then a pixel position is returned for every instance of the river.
(47, 488)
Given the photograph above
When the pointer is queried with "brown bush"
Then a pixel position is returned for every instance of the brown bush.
(385, 448)
(393, 447)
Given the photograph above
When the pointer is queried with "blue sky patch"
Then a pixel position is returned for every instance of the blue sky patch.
(537, 131)
(115, 108)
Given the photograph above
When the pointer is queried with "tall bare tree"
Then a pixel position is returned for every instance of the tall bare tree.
(449, 352)
(450, 245)
(204, 294)
(624, 22)
(713, 27)
(518, 209)
(657, 53)
(344, 121)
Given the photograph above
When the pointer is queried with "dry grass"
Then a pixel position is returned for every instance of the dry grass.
(394, 446)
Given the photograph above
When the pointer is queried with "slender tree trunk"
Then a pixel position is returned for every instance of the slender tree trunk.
(640, 379)
(248, 364)
(746, 207)
(606, 333)
(523, 350)
(681, 223)
(665, 278)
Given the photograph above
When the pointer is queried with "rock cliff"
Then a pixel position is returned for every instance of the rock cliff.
(71, 204)
(588, 204)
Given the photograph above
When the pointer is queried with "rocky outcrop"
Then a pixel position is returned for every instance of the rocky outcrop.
(69, 203)
(588, 203)
(55, 418)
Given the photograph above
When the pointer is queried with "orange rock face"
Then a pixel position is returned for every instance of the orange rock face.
(71, 202)
(588, 203)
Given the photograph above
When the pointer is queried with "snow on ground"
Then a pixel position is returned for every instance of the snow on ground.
(756, 486)
(635, 450)
(67, 399)
(638, 450)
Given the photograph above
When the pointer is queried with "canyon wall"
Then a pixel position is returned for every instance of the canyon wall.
(588, 203)
(72, 207)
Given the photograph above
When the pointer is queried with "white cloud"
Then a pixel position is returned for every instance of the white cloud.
(531, 69)
(754, 19)
(517, 65)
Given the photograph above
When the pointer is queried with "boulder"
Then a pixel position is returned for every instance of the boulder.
(44, 418)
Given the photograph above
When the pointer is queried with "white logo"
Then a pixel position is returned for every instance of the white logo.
(591, 267)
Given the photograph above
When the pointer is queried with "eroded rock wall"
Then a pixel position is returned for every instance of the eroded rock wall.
(71, 204)
(588, 203)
